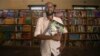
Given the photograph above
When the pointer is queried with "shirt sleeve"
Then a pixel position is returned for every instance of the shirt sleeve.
(38, 28)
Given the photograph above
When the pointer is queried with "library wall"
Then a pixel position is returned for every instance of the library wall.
(61, 4)
(22, 4)
(86, 2)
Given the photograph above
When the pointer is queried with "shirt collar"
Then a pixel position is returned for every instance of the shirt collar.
(45, 16)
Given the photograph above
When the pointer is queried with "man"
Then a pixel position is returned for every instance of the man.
(50, 40)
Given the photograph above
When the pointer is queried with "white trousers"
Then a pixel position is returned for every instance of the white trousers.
(50, 46)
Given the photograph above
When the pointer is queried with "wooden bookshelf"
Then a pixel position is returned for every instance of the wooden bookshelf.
(19, 29)
(83, 25)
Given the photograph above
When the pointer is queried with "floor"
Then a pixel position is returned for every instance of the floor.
(34, 51)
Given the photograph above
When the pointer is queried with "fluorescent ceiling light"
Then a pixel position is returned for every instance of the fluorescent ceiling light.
(37, 8)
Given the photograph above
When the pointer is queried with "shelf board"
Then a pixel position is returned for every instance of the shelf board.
(82, 25)
(28, 39)
(83, 32)
(86, 17)
(82, 40)
(14, 24)
(18, 31)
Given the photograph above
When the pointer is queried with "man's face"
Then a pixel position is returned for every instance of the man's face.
(49, 9)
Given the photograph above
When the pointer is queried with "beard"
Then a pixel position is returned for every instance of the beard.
(49, 13)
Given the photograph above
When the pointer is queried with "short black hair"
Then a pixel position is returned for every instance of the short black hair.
(50, 3)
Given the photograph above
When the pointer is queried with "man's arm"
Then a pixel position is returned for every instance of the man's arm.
(56, 37)
(43, 37)
(63, 42)
(64, 38)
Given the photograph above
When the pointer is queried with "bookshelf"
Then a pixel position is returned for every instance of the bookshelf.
(16, 27)
(83, 26)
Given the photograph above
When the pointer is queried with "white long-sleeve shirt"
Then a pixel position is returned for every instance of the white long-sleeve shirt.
(42, 25)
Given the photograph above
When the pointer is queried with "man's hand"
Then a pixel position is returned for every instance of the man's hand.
(61, 48)
(57, 37)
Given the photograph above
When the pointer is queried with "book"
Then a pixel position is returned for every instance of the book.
(4, 14)
(90, 29)
(97, 13)
(28, 20)
(1, 13)
(76, 13)
(74, 36)
(83, 13)
(90, 13)
(74, 21)
(9, 20)
(54, 27)
(10, 14)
